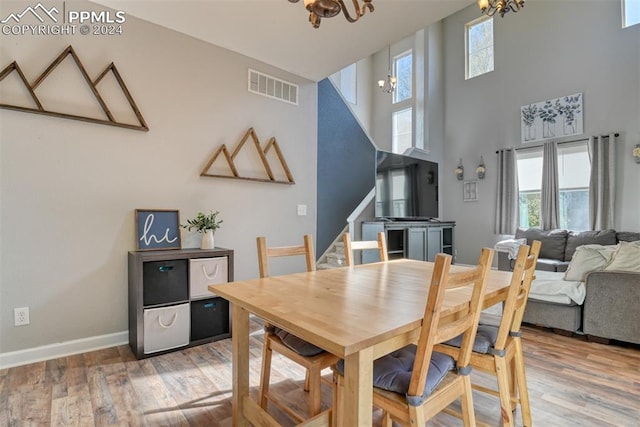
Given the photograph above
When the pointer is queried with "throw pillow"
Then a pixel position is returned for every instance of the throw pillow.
(627, 236)
(580, 238)
(588, 258)
(625, 258)
(553, 241)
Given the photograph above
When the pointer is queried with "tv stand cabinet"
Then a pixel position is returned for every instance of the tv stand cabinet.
(421, 240)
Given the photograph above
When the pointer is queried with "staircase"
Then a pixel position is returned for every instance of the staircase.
(333, 257)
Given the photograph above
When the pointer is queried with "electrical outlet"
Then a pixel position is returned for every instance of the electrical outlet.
(21, 316)
(302, 210)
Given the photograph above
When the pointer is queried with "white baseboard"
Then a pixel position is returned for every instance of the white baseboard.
(63, 349)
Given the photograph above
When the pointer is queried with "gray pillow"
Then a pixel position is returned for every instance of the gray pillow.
(393, 372)
(553, 241)
(296, 344)
(628, 236)
(484, 342)
(575, 239)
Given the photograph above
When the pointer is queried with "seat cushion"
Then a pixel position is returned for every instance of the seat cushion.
(485, 339)
(296, 344)
(393, 371)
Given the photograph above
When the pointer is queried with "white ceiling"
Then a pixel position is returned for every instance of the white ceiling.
(278, 32)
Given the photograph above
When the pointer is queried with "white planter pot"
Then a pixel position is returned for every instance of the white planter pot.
(207, 240)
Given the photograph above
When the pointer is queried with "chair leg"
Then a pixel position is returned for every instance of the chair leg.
(514, 384)
(522, 384)
(504, 390)
(387, 421)
(416, 416)
(315, 392)
(306, 380)
(265, 373)
(468, 414)
(338, 390)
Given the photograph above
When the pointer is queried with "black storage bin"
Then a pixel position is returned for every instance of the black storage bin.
(165, 281)
(209, 317)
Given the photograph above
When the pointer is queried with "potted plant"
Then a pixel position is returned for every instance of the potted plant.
(206, 224)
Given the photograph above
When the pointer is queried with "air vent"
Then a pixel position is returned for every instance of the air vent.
(263, 84)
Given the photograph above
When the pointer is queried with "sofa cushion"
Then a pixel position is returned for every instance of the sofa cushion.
(588, 258)
(575, 239)
(627, 236)
(625, 258)
(551, 265)
(553, 241)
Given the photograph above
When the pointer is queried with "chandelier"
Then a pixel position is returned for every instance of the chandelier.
(319, 9)
(388, 85)
(490, 7)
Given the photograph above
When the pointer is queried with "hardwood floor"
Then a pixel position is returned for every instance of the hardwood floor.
(571, 383)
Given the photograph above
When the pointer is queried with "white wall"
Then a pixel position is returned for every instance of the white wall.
(68, 189)
(547, 50)
(365, 84)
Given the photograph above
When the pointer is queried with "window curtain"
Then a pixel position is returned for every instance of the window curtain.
(550, 194)
(506, 219)
(602, 184)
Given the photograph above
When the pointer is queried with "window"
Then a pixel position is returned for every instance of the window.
(630, 13)
(401, 130)
(403, 70)
(573, 181)
(479, 47)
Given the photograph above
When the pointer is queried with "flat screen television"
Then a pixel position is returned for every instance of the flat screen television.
(406, 187)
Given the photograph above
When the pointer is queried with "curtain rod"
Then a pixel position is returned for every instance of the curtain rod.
(562, 142)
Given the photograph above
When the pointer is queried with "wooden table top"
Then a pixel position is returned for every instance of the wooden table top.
(344, 310)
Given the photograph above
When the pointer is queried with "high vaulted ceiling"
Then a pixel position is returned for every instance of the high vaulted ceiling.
(278, 32)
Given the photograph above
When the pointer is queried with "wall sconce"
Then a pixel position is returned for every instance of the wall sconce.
(636, 153)
(460, 171)
(481, 169)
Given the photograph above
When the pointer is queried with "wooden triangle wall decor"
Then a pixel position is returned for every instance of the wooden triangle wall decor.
(262, 153)
(109, 119)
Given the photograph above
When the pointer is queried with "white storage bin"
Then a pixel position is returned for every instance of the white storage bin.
(204, 272)
(166, 327)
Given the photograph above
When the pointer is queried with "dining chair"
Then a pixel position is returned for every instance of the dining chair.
(350, 246)
(312, 358)
(414, 383)
(497, 348)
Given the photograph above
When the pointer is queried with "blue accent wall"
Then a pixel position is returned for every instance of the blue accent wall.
(346, 165)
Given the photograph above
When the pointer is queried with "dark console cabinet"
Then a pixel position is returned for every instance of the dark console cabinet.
(170, 306)
(421, 240)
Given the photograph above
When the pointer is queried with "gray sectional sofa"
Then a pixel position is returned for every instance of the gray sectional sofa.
(612, 298)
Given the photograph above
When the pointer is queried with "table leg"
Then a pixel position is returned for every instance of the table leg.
(358, 388)
(240, 362)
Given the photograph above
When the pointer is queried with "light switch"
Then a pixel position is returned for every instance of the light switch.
(302, 210)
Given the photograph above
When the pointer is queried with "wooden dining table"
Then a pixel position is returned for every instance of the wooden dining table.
(358, 313)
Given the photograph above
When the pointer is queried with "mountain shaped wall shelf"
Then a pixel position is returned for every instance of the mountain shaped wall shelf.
(111, 68)
(262, 153)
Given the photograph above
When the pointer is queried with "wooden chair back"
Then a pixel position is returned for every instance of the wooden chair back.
(522, 288)
(437, 328)
(351, 246)
(515, 302)
(264, 253)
